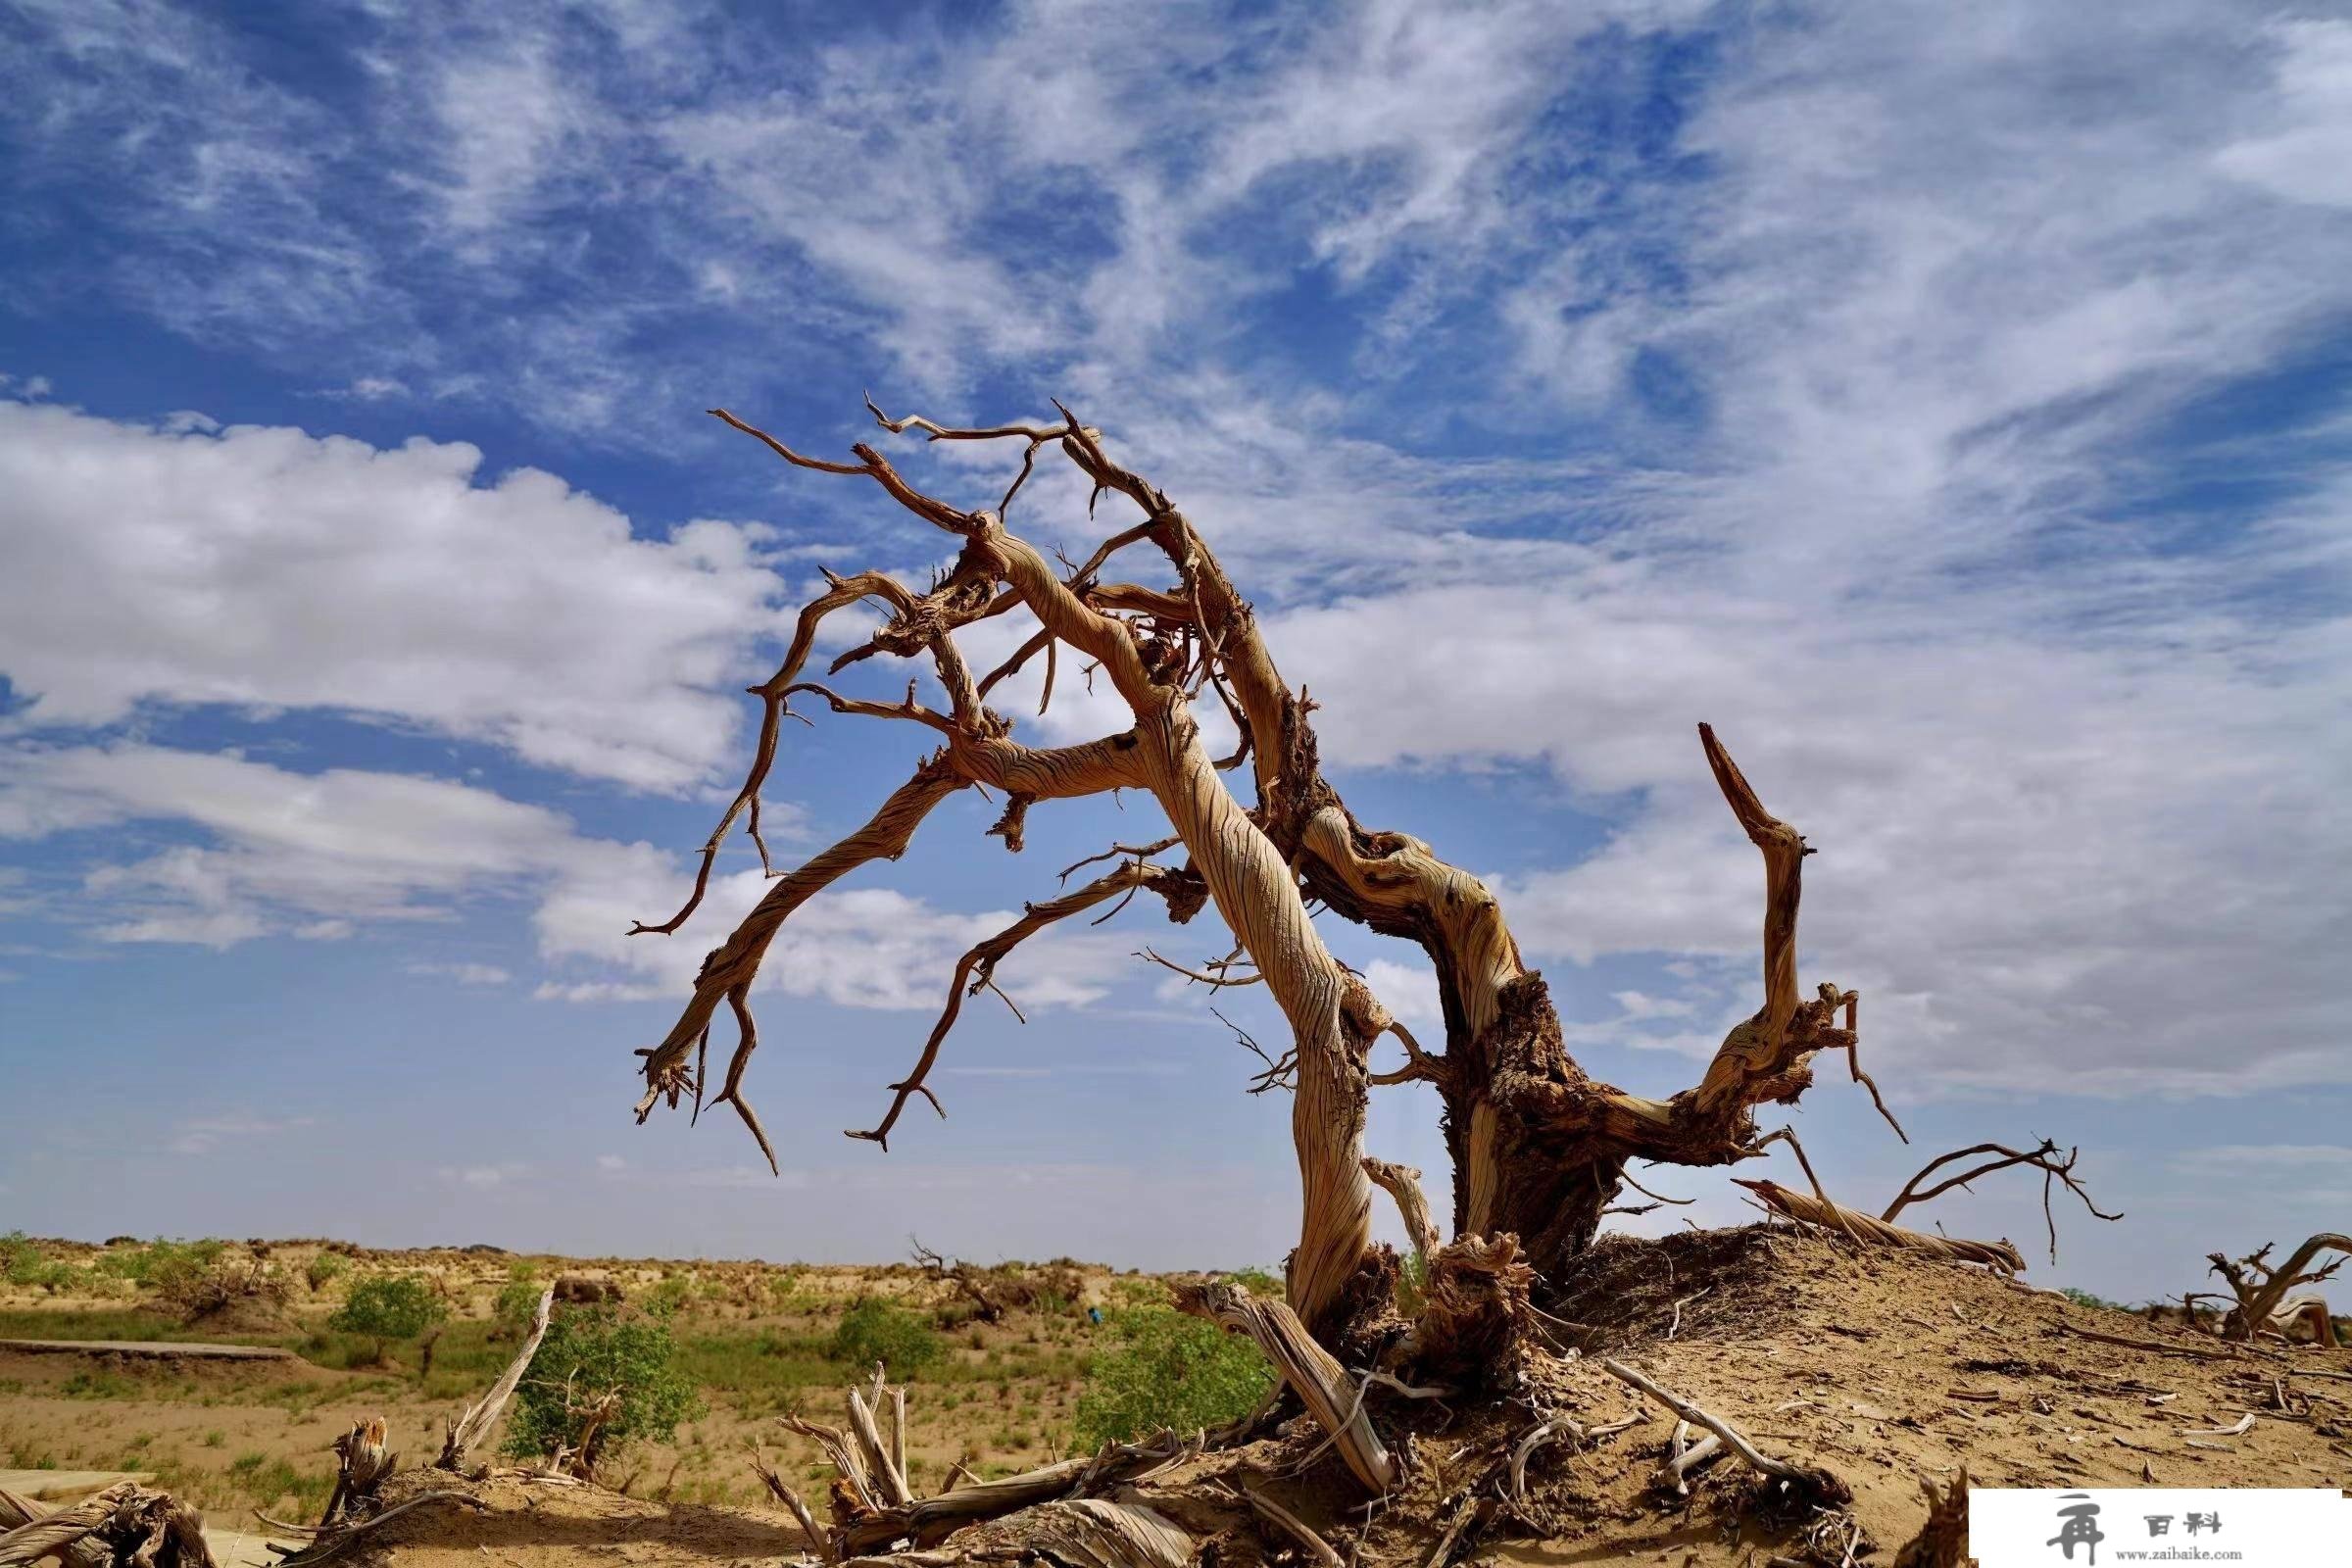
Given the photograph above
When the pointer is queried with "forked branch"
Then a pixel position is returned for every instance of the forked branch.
(2043, 1157)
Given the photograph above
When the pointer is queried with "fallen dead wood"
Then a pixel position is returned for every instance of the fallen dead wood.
(875, 1510)
(1870, 1231)
(1815, 1481)
(328, 1541)
(2148, 1345)
(2261, 1288)
(126, 1522)
(1291, 1525)
(479, 1418)
(2043, 1157)
(16, 1511)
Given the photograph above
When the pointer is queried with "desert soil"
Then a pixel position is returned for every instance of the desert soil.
(1887, 1371)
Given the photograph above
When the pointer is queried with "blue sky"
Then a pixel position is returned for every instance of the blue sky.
(1951, 406)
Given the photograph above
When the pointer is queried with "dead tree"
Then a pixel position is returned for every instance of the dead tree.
(963, 1277)
(2261, 1288)
(1538, 1145)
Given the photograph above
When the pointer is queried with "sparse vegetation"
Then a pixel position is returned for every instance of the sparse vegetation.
(602, 1378)
(873, 1330)
(1168, 1370)
(387, 1307)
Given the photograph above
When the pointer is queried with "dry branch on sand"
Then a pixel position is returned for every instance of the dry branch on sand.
(2261, 1288)
(877, 1517)
(125, 1523)
(1824, 1213)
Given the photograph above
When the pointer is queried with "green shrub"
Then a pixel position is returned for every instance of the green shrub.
(386, 1308)
(518, 1301)
(2085, 1299)
(873, 1331)
(590, 1352)
(322, 1270)
(1165, 1369)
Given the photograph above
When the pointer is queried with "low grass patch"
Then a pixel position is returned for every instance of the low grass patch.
(92, 1323)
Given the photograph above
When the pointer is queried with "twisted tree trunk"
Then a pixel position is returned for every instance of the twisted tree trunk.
(1538, 1145)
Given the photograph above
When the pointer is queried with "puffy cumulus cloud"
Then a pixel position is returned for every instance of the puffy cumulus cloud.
(853, 946)
(273, 850)
(270, 568)
(315, 855)
(2052, 856)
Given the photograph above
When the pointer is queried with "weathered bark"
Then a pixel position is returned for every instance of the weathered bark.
(1538, 1145)
(1838, 1219)
(481, 1417)
(2261, 1288)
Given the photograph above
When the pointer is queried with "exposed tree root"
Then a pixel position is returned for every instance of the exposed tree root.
(1813, 1482)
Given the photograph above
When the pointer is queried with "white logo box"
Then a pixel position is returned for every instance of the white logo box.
(2096, 1526)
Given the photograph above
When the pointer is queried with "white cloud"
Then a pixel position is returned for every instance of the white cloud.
(281, 850)
(269, 568)
(202, 1135)
(857, 947)
(464, 974)
(2308, 158)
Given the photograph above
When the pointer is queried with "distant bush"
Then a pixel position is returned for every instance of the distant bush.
(143, 1265)
(873, 1331)
(2085, 1299)
(24, 1263)
(601, 1379)
(516, 1300)
(386, 1308)
(321, 1269)
(1165, 1369)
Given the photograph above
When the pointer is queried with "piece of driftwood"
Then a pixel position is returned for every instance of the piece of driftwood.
(1816, 1481)
(480, 1418)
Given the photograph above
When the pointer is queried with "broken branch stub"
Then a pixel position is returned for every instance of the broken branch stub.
(481, 1417)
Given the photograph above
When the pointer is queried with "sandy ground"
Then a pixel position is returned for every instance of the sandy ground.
(1886, 1371)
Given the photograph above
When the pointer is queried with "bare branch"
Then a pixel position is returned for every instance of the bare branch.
(2042, 1158)
(977, 968)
